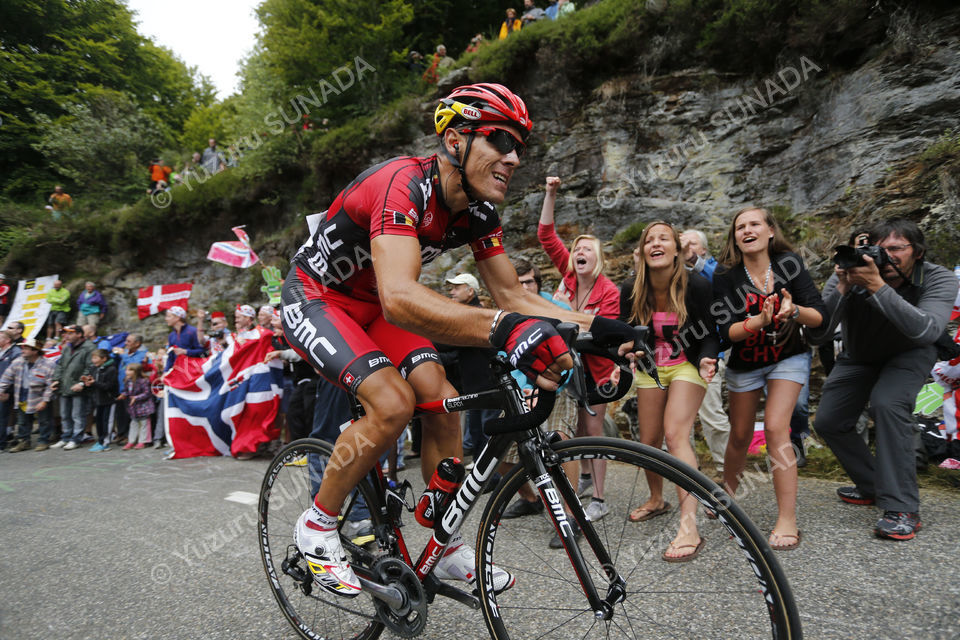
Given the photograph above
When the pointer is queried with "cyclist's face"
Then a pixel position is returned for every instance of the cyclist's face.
(488, 170)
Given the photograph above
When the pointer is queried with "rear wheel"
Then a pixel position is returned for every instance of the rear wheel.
(287, 491)
(734, 588)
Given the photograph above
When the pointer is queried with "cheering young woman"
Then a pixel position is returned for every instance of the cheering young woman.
(676, 304)
(762, 296)
(586, 289)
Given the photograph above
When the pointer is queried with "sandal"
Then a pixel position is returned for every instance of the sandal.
(687, 558)
(785, 547)
(647, 514)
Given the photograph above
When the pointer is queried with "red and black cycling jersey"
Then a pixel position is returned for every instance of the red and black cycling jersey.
(397, 197)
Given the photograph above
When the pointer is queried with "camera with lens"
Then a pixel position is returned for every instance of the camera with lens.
(219, 333)
(847, 257)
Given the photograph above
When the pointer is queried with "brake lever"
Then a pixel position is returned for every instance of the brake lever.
(580, 382)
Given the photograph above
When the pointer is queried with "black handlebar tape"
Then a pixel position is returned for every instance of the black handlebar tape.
(530, 420)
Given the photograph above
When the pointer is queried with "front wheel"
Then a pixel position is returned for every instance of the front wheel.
(734, 588)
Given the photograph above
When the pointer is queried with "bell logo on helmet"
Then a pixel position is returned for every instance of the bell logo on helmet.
(470, 113)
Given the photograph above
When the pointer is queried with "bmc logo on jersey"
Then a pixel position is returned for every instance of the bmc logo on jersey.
(470, 113)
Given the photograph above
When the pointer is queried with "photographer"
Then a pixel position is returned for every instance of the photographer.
(893, 307)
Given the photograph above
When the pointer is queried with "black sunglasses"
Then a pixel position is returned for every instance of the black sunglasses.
(501, 139)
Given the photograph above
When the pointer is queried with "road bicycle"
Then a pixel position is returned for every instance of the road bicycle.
(608, 581)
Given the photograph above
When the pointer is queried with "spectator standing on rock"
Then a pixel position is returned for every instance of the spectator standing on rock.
(159, 176)
(91, 305)
(59, 299)
(183, 339)
(511, 24)
(59, 202)
(531, 13)
(891, 309)
(475, 43)
(74, 396)
(212, 159)
(28, 383)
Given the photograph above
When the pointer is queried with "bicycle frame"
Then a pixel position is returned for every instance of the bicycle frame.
(542, 466)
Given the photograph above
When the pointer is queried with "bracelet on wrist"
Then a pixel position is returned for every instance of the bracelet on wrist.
(748, 329)
(493, 325)
(796, 313)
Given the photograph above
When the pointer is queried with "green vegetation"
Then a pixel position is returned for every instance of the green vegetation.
(91, 101)
(946, 148)
(629, 234)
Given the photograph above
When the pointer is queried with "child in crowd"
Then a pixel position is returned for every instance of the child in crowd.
(141, 407)
(103, 378)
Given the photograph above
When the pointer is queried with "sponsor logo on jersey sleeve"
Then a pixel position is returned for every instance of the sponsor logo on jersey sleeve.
(404, 219)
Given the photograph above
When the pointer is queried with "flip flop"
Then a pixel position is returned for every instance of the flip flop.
(786, 547)
(649, 513)
(687, 558)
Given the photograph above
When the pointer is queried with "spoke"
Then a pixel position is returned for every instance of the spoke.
(633, 492)
(629, 621)
(652, 620)
(563, 623)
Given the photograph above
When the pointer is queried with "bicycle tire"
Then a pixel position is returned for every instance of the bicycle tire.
(719, 594)
(287, 490)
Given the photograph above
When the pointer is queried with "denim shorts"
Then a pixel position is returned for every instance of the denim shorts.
(795, 368)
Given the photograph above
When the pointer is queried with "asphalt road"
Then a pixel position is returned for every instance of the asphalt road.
(129, 545)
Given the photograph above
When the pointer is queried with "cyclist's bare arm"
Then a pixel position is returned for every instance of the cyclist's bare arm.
(412, 306)
(504, 285)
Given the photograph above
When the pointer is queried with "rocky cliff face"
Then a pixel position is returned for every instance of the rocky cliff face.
(825, 148)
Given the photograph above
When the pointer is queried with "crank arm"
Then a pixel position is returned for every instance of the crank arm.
(389, 595)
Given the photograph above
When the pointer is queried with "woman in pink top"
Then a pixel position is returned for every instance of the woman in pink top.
(584, 288)
(675, 304)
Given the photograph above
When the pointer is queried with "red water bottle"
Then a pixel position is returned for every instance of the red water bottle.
(444, 483)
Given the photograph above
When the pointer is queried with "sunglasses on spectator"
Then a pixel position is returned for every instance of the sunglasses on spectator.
(501, 139)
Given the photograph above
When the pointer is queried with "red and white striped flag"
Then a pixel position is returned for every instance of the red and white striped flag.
(234, 253)
(159, 297)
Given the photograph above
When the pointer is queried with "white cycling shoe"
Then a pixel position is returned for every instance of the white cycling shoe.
(460, 564)
(325, 558)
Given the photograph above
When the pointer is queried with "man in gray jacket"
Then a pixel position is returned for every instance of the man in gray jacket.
(891, 316)
(74, 395)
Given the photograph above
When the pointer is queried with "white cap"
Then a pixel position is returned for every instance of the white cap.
(246, 310)
(467, 279)
(267, 309)
(177, 311)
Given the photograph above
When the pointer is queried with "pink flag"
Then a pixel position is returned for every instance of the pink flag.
(159, 297)
(234, 253)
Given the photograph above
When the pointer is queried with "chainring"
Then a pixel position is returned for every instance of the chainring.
(410, 620)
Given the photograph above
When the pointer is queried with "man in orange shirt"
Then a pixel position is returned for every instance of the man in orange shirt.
(59, 202)
(158, 173)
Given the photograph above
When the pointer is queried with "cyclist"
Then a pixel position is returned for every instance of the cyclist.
(352, 306)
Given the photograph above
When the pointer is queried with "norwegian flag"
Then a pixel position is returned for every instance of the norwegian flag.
(225, 404)
(233, 253)
(151, 300)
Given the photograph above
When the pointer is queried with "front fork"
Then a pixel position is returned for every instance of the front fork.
(555, 490)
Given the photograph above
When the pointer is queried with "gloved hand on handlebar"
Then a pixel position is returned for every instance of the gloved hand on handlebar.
(534, 347)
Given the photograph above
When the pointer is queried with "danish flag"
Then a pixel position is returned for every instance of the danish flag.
(225, 404)
(159, 297)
